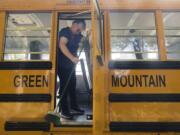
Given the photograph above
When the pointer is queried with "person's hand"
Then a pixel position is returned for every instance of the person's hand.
(75, 60)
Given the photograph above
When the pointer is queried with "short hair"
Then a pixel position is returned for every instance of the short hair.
(78, 21)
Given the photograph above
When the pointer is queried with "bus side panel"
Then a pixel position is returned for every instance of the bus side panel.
(145, 112)
(144, 81)
(21, 112)
(24, 81)
(24, 96)
(145, 96)
(148, 96)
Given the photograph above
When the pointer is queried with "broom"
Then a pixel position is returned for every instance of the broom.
(53, 116)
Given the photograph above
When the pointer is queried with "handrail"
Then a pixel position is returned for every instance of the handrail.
(28, 60)
(28, 29)
(146, 28)
(136, 52)
(145, 52)
(24, 52)
(27, 36)
(141, 36)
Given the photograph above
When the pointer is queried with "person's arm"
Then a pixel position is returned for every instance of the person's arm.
(63, 46)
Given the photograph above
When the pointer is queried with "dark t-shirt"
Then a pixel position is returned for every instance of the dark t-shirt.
(72, 45)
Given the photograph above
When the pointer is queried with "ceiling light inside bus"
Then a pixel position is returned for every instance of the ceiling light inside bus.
(22, 20)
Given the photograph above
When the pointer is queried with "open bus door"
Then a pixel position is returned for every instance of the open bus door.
(83, 72)
(98, 68)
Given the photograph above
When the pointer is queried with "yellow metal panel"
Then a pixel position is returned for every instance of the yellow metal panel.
(106, 4)
(140, 4)
(72, 8)
(71, 133)
(98, 80)
(107, 71)
(2, 27)
(37, 5)
(23, 110)
(10, 81)
(145, 112)
(53, 59)
(26, 5)
(53, 55)
(160, 35)
(11, 111)
(169, 76)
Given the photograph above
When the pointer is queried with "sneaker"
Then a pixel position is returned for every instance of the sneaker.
(66, 115)
(77, 111)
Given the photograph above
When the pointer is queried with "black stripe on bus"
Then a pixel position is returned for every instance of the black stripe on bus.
(144, 64)
(145, 126)
(25, 65)
(114, 97)
(27, 126)
(74, 126)
(25, 98)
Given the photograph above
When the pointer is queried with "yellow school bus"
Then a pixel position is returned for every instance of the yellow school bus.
(133, 86)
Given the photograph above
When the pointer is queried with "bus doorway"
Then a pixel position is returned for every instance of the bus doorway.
(83, 73)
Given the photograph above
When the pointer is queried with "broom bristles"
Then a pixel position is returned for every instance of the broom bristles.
(53, 117)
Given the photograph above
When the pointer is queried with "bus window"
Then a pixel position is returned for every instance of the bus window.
(27, 36)
(81, 85)
(133, 36)
(172, 34)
